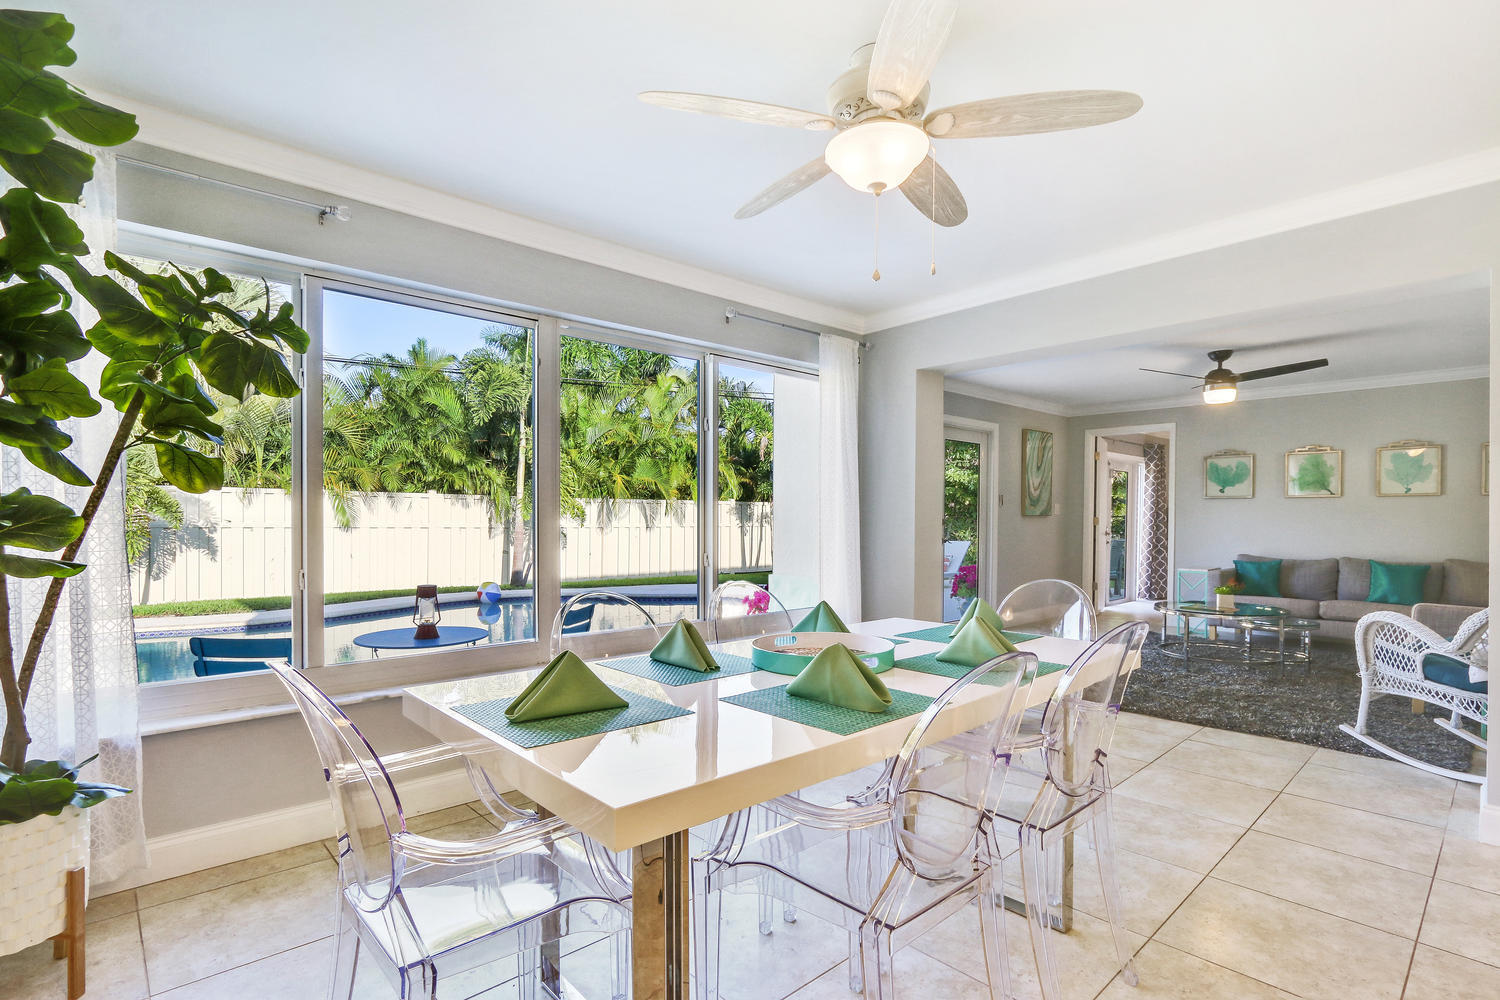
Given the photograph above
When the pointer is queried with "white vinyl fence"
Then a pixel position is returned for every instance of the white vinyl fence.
(238, 543)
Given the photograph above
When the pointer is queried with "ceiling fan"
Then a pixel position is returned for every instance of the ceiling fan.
(878, 111)
(1222, 385)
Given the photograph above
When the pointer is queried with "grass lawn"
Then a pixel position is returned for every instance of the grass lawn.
(241, 605)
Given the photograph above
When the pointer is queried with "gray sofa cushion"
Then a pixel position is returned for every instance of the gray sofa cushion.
(1349, 611)
(1354, 580)
(1296, 607)
(1466, 582)
(1306, 579)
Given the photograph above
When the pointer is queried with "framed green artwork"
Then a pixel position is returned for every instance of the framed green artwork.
(1409, 469)
(1036, 473)
(1229, 475)
(1315, 471)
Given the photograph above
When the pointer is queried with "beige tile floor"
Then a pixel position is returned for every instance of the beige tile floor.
(1251, 869)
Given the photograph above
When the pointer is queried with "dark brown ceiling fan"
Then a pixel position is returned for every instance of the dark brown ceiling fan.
(1222, 385)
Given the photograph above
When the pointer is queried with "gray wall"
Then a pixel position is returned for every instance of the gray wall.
(1360, 524)
(271, 760)
(1029, 548)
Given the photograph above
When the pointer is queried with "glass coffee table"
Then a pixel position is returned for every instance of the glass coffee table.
(1201, 628)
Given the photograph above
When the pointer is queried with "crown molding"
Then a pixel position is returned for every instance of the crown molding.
(1428, 181)
(194, 137)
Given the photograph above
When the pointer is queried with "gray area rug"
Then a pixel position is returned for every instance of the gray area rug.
(1289, 703)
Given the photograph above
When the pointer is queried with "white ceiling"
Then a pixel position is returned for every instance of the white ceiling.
(1404, 336)
(530, 107)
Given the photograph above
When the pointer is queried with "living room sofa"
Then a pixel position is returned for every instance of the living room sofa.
(1336, 592)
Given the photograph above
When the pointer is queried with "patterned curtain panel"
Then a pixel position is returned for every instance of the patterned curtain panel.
(83, 698)
(1152, 559)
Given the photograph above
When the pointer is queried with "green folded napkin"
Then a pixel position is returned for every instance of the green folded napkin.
(837, 677)
(976, 643)
(566, 686)
(981, 609)
(684, 647)
(821, 619)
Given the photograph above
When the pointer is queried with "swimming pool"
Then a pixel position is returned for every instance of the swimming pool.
(163, 655)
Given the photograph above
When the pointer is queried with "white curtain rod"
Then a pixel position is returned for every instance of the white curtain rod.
(732, 313)
(339, 213)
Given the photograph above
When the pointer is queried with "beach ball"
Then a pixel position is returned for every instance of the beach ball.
(489, 591)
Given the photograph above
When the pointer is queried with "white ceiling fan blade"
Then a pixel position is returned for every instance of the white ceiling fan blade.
(808, 174)
(1025, 114)
(745, 111)
(911, 38)
(933, 192)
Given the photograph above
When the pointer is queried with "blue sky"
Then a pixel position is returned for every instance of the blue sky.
(355, 325)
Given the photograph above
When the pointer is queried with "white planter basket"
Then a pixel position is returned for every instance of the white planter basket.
(35, 858)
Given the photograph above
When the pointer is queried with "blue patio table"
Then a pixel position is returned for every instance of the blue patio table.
(406, 638)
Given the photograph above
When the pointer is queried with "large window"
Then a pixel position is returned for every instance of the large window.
(411, 459)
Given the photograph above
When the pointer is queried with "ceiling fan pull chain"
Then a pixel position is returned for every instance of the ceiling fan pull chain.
(932, 219)
(875, 275)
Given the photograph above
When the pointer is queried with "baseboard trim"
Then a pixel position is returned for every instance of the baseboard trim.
(189, 851)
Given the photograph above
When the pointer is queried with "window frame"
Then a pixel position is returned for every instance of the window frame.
(192, 702)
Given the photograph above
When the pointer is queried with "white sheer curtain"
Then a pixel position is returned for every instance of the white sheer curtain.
(838, 490)
(83, 696)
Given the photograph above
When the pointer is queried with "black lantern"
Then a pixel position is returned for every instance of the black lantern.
(425, 614)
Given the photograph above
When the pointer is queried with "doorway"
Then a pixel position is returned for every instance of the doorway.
(968, 515)
(1128, 555)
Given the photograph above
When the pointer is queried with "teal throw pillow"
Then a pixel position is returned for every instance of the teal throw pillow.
(1397, 583)
(1261, 579)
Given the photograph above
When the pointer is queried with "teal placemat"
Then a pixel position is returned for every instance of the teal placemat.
(844, 721)
(942, 633)
(667, 673)
(928, 663)
(491, 715)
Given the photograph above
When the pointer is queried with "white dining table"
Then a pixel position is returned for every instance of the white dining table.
(642, 789)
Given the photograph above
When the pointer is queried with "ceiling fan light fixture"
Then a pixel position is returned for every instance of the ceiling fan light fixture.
(1216, 393)
(878, 155)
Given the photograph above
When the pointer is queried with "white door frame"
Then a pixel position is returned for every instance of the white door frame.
(1091, 512)
(989, 495)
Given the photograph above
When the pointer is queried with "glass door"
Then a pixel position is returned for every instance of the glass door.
(965, 519)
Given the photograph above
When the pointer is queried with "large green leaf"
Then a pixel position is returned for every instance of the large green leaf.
(28, 298)
(36, 39)
(57, 171)
(231, 363)
(32, 91)
(54, 390)
(121, 313)
(22, 133)
(188, 470)
(26, 425)
(37, 232)
(55, 464)
(23, 797)
(163, 416)
(37, 522)
(48, 335)
(31, 567)
(100, 124)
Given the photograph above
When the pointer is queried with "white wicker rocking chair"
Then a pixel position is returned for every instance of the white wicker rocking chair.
(1391, 648)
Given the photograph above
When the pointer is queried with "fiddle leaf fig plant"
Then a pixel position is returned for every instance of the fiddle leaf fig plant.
(160, 341)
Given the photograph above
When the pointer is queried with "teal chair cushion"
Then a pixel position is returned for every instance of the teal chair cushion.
(1397, 583)
(1450, 671)
(1262, 578)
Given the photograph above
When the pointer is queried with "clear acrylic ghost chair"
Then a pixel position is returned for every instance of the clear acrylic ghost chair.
(893, 862)
(1050, 607)
(1075, 789)
(577, 614)
(1399, 655)
(425, 910)
(741, 599)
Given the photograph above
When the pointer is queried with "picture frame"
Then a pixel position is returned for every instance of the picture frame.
(1229, 475)
(1409, 469)
(1036, 473)
(1484, 469)
(1315, 471)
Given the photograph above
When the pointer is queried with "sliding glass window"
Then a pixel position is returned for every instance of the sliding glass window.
(427, 416)
(628, 457)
